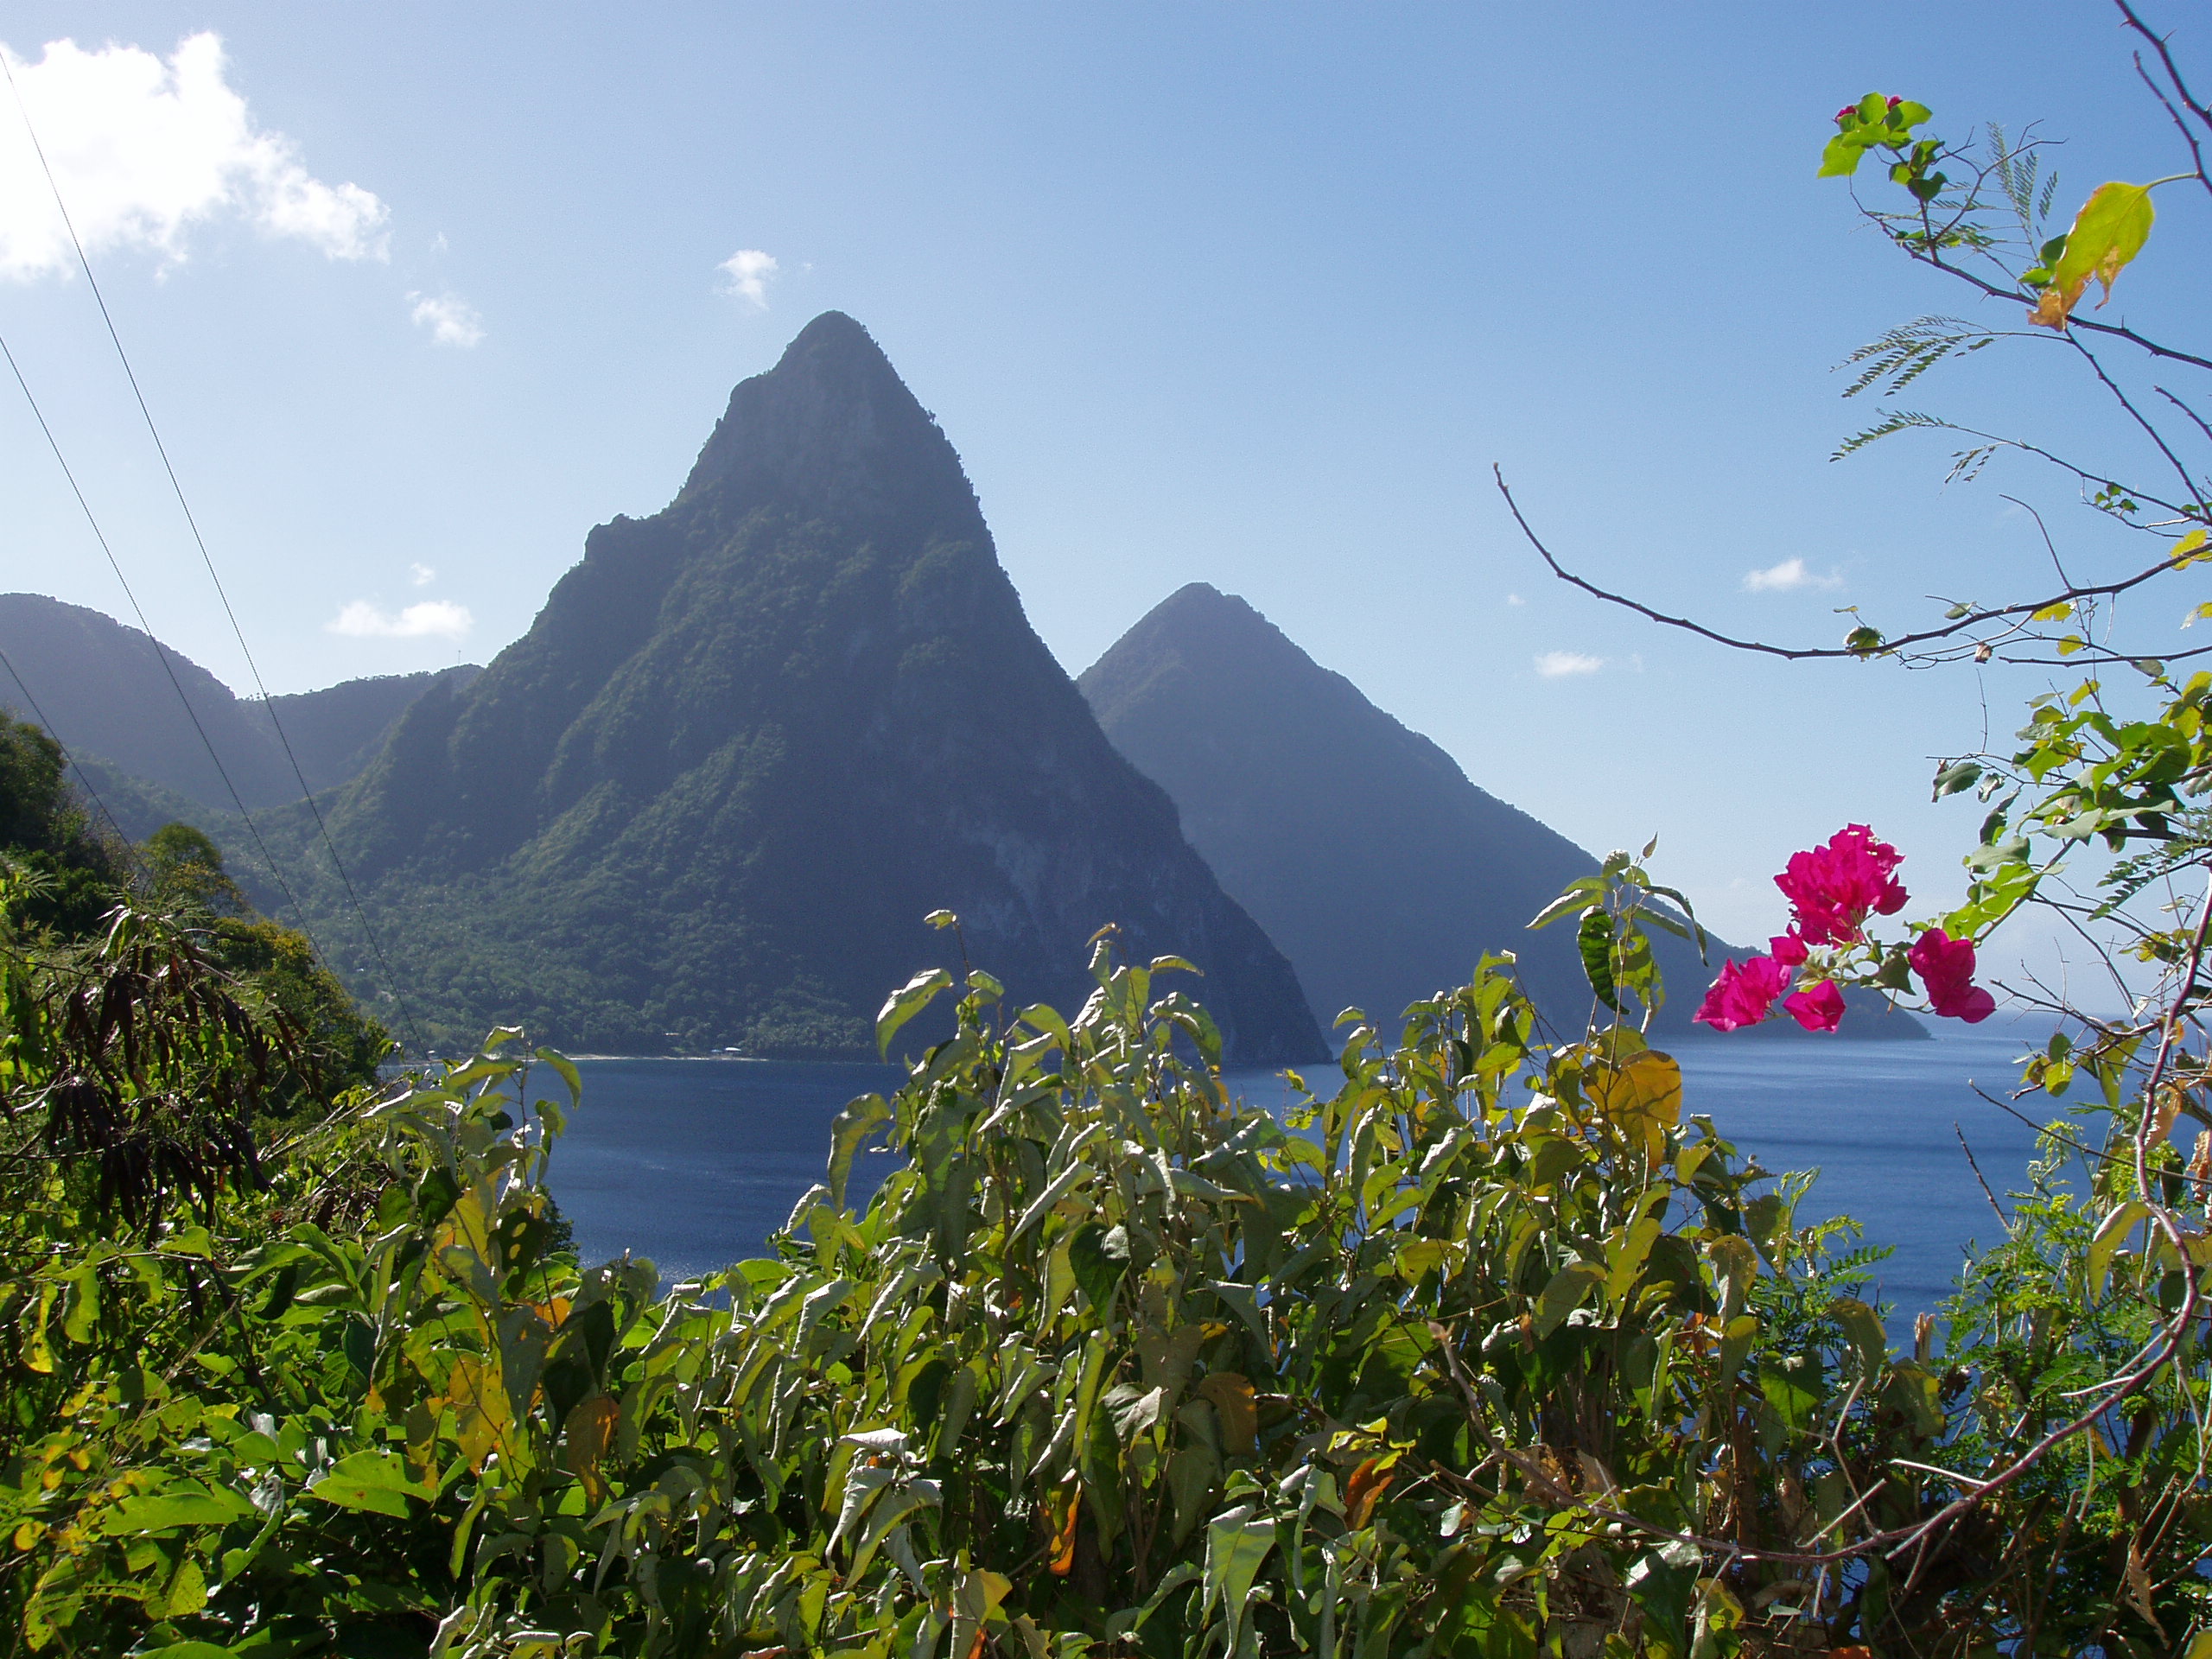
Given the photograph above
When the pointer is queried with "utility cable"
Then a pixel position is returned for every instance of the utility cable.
(268, 704)
(161, 652)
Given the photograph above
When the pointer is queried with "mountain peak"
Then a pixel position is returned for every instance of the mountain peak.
(751, 742)
(834, 419)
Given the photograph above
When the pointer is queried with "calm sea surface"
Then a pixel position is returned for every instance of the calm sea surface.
(692, 1163)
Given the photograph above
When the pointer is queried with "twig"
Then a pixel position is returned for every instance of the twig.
(1976, 1167)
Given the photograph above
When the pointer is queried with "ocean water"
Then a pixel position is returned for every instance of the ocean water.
(692, 1163)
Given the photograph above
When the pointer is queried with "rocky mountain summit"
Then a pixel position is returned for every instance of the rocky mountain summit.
(751, 741)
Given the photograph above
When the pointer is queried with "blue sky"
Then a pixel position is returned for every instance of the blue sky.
(1249, 293)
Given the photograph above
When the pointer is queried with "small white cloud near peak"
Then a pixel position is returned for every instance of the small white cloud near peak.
(1515, 600)
(433, 618)
(1787, 577)
(746, 275)
(420, 575)
(1560, 664)
(143, 149)
(450, 319)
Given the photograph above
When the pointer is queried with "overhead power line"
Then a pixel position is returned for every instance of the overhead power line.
(268, 706)
(161, 652)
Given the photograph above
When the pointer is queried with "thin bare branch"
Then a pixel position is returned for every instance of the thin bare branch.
(1956, 629)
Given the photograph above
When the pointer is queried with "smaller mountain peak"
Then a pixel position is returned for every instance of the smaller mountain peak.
(1199, 616)
(1202, 602)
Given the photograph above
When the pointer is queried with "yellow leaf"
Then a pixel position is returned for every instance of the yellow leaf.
(38, 1349)
(589, 1431)
(479, 1399)
(2190, 548)
(2109, 231)
(1235, 1409)
(1648, 1084)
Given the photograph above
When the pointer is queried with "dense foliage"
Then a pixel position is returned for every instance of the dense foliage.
(1493, 1349)
(1502, 1354)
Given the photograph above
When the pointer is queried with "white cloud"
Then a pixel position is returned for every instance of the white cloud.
(450, 319)
(1558, 664)
(144, 149)
(1786, 578)
(421, 575)
(1514, 598)
(745, 274)
(433, 619)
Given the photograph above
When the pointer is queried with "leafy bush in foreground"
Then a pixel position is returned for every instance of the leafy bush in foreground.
(1502, 1355)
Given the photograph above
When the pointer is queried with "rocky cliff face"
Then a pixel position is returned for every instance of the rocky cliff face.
(1360, 846)
(752, 740)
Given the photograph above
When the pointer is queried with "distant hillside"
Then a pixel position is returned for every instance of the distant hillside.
(106, 696)
(751, 741)
(1359, 845)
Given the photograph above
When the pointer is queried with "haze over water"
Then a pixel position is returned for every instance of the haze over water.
(692, 1163)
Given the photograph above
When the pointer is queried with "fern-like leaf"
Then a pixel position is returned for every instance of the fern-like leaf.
(1895, 421)
(1902, 355)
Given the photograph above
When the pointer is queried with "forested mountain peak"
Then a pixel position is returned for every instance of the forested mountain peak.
(750, 741)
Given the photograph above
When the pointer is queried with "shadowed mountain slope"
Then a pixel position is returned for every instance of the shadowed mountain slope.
(103, 687)
(751, 741)
(1360, 846)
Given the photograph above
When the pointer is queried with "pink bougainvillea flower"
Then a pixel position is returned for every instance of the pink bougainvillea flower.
(1819, 1008)
(1788, 949)
(1834, 888)
(1741, 996)
(1946, 967)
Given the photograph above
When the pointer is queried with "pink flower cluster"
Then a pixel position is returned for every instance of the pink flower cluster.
(1832, 890)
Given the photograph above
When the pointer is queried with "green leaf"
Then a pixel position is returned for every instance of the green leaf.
(81, 1320)
(861, 1118)
(1840, 159)
(571, 1079)
(377, 1481)
(907, 1001)
(1100, 1256)
(186, 1504)
(1594, 940)
(1959, 775)
(1566, 1291)
(1793, 1386)
(1237, 1545)
(1577, 895)
(1864, 1326)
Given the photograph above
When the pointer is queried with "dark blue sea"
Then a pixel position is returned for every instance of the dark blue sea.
(691, 1163)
